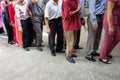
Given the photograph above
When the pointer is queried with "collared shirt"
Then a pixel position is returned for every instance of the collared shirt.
(53, 10)
(96, 7)
(37, 8)
(83, 5)
(22, 11)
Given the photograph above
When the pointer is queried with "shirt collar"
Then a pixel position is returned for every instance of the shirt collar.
(21, 3)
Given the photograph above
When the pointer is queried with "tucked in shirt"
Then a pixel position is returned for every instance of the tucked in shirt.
(53, 10)
(96, 7)
(22, 11)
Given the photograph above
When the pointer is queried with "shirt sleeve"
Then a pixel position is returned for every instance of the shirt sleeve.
(47, 10)
(83, 5)
(92, 12)
(17, 13)
(66, 9)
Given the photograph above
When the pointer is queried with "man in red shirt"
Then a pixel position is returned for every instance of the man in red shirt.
(71, 23)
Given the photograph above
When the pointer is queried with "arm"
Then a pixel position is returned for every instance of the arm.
(110, 7)
(47, 11)
(92, 13)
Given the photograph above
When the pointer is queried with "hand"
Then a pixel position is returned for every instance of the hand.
(82, 21)
(111, 30)
(95, 27)
(34, 1)
(78, 8)
(13, 25)
(48, 31)
(20, 29)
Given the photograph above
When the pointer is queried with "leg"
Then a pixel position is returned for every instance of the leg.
(91, 38)
(59, 46)
(76, 46)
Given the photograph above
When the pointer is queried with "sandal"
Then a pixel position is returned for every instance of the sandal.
(106, 62)
(109, 56)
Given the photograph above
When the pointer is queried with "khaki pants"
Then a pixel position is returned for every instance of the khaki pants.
(70, 41)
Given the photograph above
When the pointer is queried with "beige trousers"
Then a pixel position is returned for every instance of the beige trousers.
(70, 41)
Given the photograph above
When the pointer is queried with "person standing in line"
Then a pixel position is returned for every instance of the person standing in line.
(82, 14)
(12, 18)
(53, 21)
(2, 4)
(94, 21)
(112, 30)
(36, 7)
(71, 23)
(22, 12)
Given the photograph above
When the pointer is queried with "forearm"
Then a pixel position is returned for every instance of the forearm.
(109, 12)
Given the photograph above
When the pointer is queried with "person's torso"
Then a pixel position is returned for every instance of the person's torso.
(54, 9)
(23, 10)
(37, 8)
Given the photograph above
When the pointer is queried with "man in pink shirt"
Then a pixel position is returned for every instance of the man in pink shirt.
(71, 23)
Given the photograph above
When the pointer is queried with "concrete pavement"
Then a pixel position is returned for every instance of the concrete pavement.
(17, 64)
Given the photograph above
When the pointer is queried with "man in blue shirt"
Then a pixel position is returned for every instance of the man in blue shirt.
(94, 21)
(82, 14)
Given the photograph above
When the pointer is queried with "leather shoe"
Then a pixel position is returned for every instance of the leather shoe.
(95, 54)
(53, 52)
(70, 59)
(26, 49)
(73, 55)
(79, 47)
(40, 48)
(90, 58)
(60, 51)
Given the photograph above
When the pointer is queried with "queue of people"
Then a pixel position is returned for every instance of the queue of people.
(23, 20)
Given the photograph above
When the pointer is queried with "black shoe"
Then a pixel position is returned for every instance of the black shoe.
(26, 49)
(39, 48)
(79, 47)
(95, 54)
(109, 56)
(73, 55)
(90, 58)
(70, 59)
(53, 52)
(60, 51)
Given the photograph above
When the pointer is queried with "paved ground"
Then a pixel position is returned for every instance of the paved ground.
(16, 64)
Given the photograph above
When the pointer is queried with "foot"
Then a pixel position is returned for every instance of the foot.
(90, 58)
(62, 51)
(26, 49)
(106, 61)
(70, 59)
(73, 55)
(95, 54)
(79, 47)
(53, 53)
(39, 48)
(109, 56)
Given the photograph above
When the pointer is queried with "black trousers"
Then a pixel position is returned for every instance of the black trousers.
(9, 30)
(56, 28)
(27, 33)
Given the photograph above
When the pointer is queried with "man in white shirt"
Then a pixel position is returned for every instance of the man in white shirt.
(53, 22)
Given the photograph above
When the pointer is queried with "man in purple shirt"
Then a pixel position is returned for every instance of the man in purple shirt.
(24, 22)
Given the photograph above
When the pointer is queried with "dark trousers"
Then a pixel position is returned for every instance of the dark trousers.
(94, 36)
(77, 39)
(38, 25)
(27, 33)
(9, 30)
(56, 28)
